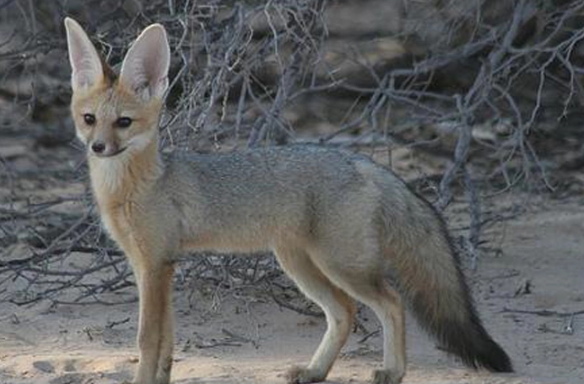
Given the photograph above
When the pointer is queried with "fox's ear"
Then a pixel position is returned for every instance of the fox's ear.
(145, 67)
(85, 62)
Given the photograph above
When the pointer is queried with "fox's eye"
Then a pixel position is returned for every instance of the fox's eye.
(89, 119)
(124, 122)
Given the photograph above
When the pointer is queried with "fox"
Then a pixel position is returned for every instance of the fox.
(344, 228)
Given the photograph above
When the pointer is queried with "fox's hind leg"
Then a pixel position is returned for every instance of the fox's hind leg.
(338, 307)
(387, 305)
(368, 285)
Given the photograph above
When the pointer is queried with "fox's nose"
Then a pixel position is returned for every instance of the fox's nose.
(98, 147)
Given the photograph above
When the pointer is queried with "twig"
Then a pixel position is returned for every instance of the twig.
(543, 312)
(368, 336)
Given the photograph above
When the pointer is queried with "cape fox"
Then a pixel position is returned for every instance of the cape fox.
(342, 227)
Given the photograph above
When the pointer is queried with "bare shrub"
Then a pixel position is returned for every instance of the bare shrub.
(483, 87)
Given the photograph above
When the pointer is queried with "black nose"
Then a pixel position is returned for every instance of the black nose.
(98, 147)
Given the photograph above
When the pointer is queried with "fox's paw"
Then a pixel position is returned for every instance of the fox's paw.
(302, 375)
(385, 376)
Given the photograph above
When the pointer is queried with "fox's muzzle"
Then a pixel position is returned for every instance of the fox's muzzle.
(102, 149)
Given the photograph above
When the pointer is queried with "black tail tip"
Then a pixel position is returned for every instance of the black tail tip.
(492, 357)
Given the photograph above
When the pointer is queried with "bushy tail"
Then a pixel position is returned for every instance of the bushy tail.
(460, 333)
(432, 282)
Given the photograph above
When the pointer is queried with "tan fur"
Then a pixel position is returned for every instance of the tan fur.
(341, 226)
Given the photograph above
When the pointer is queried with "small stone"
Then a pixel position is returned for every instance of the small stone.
(44, 366)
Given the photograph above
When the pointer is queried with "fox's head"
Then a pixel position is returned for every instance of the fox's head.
(114, 115)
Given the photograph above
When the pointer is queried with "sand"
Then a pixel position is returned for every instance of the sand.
(245, 338)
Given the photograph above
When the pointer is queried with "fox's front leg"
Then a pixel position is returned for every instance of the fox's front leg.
(155, 333)
(167, 331)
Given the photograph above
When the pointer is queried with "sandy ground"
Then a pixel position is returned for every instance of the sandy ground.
(257, 340)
